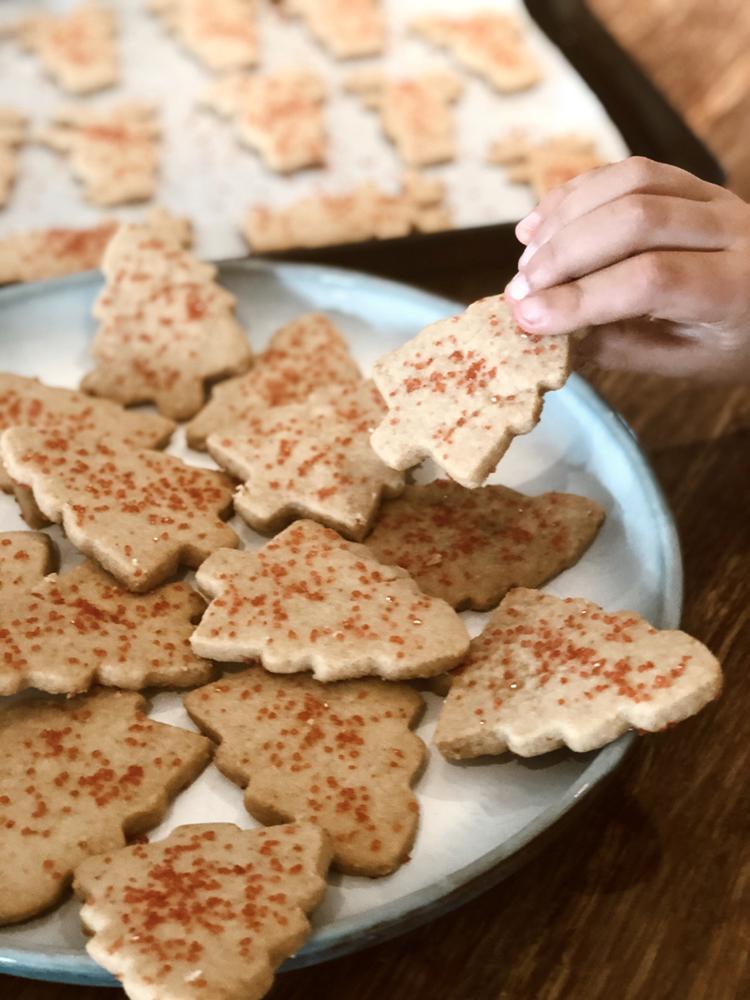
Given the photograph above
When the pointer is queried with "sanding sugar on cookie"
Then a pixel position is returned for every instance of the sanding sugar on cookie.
(222, 34)
(26, 402)
(12, 136)
(70, 631)
(139, 514)
(469, 547)
(25, 557)
(279, 114)
(461, 389)
(416, 113)
(340, 755)
(491, 44)
(308, 600)
(79, 778)
(366, 212)
(38, 254)
(306, 354)
(310, 459)
(166, 325)
(550, 671)
(113, 153)
(209, 912)
(348, 28)
(77, 48)
(544, 165)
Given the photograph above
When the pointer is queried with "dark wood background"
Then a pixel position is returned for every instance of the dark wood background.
(646, 891)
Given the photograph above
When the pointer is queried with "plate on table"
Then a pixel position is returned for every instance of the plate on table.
(475, 816)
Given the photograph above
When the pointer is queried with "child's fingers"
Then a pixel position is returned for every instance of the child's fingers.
(597, 187)
(644, 346)
(682, 286)
(622, 228)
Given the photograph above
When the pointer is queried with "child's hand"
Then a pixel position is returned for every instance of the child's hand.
(657, 261)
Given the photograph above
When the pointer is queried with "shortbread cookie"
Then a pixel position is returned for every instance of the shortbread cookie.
(548, 671)
(209, 912)
(365, 213)
(544, 165)
(339, 755)
(308, 600)
(70, 631)
(78, 778)
(223, 34)
(416, 113)
(25, 557)
(348, 28)
(166, 325)
(461, 389)
(26, 402)
(307, 354)
(469, 547)
(280, 115)
(140, 514)
(491, 44)
(51, 253)
(113, 153)
(78, 48)
(311, 459)
(12, 135)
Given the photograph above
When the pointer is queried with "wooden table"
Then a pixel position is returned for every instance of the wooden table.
(646, 893)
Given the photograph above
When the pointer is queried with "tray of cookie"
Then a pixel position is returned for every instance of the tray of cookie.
(285, 666)
(279, 126)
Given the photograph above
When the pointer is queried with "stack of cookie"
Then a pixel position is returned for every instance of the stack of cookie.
(336, 622)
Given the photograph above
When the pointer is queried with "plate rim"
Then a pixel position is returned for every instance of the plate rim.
(391, 919)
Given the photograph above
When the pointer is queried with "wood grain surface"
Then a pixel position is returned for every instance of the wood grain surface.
(646, 891)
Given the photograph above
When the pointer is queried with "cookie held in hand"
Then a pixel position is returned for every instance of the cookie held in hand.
(308, 600)
(340, 755)
(548, 672)
(78, 778)
(461, 389)
(210, 911)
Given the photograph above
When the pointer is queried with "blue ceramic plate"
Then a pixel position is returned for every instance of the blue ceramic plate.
(476, 817)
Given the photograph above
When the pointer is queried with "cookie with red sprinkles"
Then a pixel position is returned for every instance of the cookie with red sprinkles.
(77, 48)
(548, 672)
(461, 389)
(310, 459)
(27, 402)
(25, 557)
(280, 115)
(309, 600)
(340, 755)
(222, 34)
(139, 514)
(209, 912)
(491, 44)
(306, 354)
(469, 547)
(79, 778)
(347, 28)
(70, 631)
(166, 325)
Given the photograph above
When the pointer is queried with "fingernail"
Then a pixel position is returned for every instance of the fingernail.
(518, 288)
(528, 224)
(527, 254)
(532, 312)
